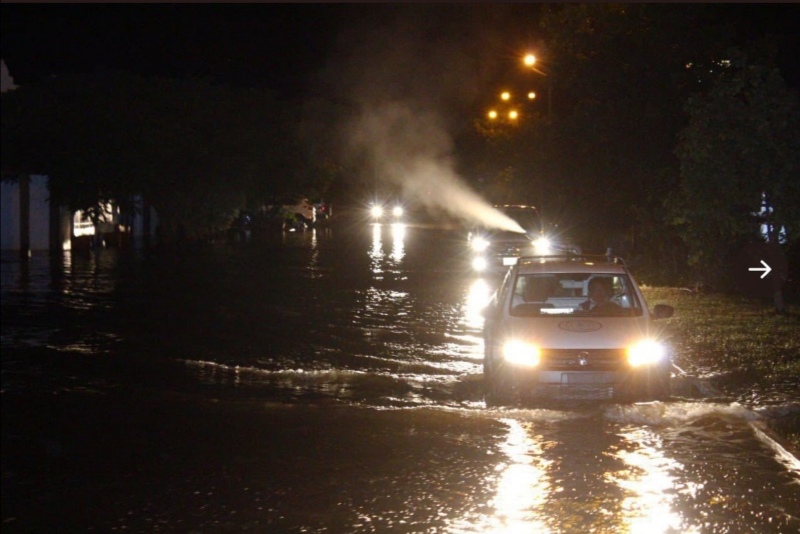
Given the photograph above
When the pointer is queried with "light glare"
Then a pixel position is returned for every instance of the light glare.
(479, 244)
(479, 264)
(520, 353)
(542, 246)
(645, 352)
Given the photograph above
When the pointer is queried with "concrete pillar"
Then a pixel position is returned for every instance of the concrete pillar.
(25, 216)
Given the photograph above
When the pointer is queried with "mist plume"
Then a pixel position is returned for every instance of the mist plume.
(410, 148)
(410, 74)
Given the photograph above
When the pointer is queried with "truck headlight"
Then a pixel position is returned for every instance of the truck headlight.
(646, 352)
(542, 246)
(521, 353)
(479, 244)
(397, 211)
(377, 212)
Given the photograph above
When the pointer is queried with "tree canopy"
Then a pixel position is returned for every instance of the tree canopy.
(603, 158)
(739, 153)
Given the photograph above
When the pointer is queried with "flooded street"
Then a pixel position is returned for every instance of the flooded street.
(330, 381)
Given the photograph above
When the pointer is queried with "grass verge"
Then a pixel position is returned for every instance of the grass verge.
(742, 346)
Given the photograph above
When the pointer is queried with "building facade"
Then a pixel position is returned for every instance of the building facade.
(30, 222)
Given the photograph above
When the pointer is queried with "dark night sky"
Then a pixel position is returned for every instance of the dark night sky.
(298, 49)
(445, 55)
(275, 45)
(267, 44)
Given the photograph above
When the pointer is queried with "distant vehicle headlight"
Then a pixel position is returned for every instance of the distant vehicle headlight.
(479, 244)
(397, 211)
(542, 246)
(479, 263)
(646, 352)
(520, 353)
(377, 212)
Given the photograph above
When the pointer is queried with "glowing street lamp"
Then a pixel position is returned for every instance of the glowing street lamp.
(529, 60)
(509, 113)
(531, 95)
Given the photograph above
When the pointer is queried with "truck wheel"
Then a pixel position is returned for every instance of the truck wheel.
(497, 390)
(659, 386)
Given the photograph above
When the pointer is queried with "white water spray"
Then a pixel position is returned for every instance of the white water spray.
(410, 148)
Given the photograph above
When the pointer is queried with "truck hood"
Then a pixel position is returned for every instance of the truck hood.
(583, 332)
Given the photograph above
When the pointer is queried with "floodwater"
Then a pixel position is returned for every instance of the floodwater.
(330, 381)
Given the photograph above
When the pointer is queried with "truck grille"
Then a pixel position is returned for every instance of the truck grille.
(583, 360)
(509, 249)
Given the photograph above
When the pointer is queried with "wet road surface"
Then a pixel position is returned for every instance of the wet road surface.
(329, 381)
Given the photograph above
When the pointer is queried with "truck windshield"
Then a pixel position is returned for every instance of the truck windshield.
(600, 294)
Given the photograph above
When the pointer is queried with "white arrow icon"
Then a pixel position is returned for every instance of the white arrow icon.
(766, 269)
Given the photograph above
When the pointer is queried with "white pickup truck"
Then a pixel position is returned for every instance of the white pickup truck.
(303, 210)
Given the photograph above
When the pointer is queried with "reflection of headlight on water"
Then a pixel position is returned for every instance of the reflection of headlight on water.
(479, 244)
(646, 352)
(479, 264)
(542, 246)
(479, 295)
(398, 230)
